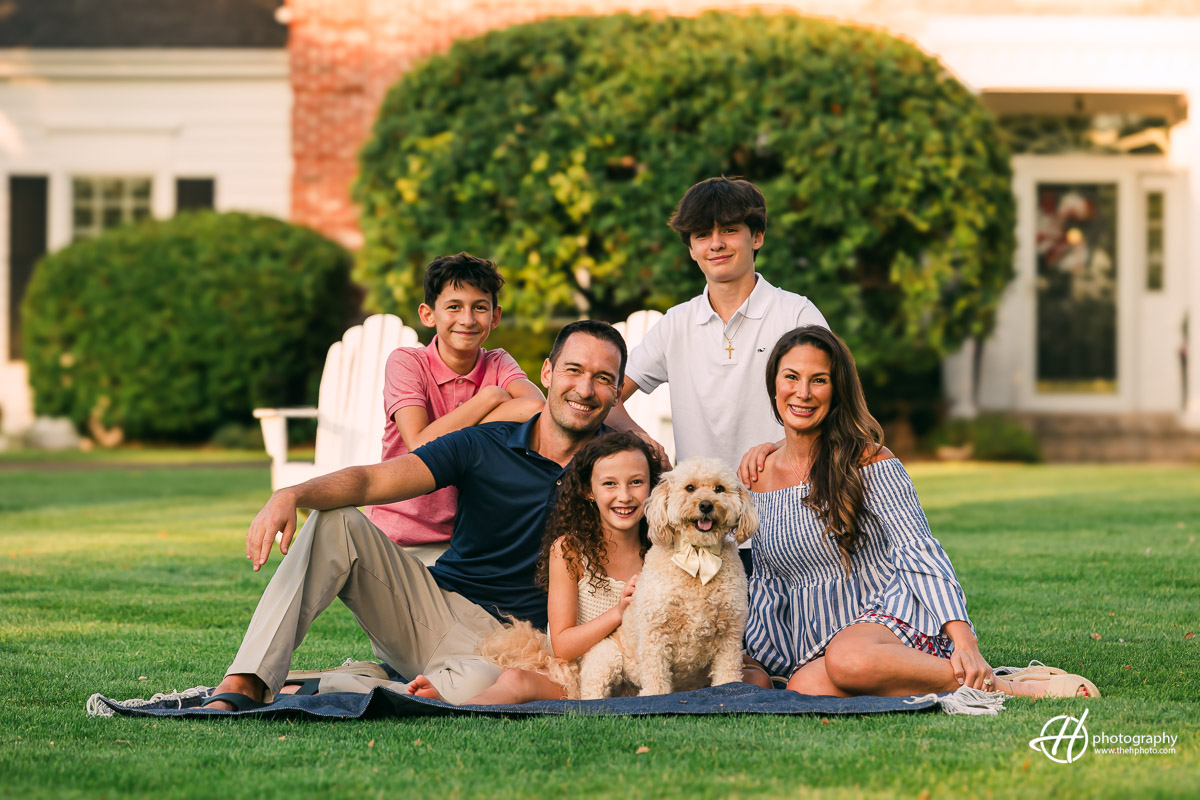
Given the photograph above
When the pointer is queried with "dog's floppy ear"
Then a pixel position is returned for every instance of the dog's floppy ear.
(748, 520)
(661, 531)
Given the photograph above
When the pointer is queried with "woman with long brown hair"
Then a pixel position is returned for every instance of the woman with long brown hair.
(843, 541)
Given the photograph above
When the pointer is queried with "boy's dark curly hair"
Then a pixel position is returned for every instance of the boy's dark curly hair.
(458, 270)
(575, 518)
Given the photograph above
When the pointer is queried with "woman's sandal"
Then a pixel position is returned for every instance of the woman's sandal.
(1035, 671)
(1065, 685)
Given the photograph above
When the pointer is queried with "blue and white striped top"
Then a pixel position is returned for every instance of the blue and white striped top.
(800, 595)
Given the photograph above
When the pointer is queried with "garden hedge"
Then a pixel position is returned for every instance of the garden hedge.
(167, 329)
(559, 148)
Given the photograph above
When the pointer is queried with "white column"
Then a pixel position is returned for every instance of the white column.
(958, 381)
(1185, 152)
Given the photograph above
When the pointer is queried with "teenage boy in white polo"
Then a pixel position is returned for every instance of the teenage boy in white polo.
(713, 349)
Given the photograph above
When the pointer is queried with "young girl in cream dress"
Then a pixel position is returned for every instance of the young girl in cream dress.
(596, 538)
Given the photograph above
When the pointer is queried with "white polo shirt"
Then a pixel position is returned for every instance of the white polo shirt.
(719, 403)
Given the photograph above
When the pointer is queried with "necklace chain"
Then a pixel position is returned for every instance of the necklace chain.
(729, 336)
(795, 471)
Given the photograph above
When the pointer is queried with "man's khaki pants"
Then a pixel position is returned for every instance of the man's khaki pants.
(415, 626)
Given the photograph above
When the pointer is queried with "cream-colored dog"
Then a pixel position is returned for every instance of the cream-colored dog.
(684, 626)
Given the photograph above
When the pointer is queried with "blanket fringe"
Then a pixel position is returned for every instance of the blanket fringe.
(966, 700)
(97, 708)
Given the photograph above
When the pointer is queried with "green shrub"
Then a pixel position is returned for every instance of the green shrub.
(238, 436)
(559, 148)
(167, 329)
(992, 437)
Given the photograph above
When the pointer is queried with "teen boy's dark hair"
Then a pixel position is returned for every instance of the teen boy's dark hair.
(719, 201)
(597, 330)
(461, 269)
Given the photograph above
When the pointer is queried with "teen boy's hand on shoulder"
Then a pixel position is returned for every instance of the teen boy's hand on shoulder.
(754, 461)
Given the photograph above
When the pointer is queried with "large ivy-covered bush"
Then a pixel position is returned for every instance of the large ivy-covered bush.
(167, 329)
(559, 149)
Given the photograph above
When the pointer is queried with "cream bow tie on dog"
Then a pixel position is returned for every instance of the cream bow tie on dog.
(702, 562)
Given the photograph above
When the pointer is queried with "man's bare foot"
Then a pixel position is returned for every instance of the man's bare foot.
(249, 685)
(421, 687)
(1030, 688)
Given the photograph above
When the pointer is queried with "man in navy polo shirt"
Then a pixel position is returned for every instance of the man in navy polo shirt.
(427, 620)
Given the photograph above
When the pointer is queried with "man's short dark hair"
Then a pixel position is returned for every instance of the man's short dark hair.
(719, 201)
(594, 328)
(458, 270)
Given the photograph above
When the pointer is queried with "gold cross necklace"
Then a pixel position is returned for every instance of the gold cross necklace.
(729, 337)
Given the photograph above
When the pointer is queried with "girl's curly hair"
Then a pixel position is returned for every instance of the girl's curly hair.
(575, 518)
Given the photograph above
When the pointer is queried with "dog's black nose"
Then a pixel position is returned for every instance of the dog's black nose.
(706, 506)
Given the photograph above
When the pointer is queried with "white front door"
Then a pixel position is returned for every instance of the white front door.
(1093, 320)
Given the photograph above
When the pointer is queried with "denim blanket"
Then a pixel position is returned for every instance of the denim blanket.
(734, 698)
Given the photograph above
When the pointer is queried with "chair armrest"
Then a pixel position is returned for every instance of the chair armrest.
(298, 412)
(274, 429)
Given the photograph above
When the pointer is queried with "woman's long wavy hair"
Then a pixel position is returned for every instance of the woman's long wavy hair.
(848, 438)
(575, 517)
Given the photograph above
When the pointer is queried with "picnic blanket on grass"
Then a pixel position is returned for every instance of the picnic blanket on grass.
(382, 702)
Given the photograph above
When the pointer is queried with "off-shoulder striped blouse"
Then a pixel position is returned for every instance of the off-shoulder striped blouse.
(800, 594)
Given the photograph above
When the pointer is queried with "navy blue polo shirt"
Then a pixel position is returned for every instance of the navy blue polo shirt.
(505, 491)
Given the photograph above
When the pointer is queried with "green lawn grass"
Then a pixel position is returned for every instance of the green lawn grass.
(131, 581)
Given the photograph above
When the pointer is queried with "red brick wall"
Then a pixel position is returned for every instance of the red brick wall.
(346, 53)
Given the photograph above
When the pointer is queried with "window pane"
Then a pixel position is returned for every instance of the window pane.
(194, 193)
(1076, 249)
(1154, 241)
(28, 213)
(102, 203)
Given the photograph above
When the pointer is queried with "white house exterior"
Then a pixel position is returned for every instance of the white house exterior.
(93, 135)
(1148, 247)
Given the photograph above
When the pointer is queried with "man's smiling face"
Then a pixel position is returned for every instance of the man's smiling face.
(582, 384)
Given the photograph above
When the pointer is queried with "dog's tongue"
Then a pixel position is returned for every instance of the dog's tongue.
(704, 524)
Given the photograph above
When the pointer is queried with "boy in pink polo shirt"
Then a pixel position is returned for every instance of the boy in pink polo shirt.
(451, 384)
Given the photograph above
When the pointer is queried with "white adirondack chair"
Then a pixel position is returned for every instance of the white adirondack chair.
(349, 410)
(651, 411)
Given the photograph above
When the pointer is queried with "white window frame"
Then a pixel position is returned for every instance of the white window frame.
(1128, 173)
(128, 204)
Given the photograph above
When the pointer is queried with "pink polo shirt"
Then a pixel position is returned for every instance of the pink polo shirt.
(417, 376)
